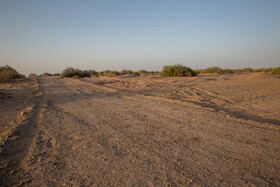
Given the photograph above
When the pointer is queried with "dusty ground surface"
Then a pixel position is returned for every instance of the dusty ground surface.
(209, 130)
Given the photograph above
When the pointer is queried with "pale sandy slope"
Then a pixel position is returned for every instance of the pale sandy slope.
(210, 130)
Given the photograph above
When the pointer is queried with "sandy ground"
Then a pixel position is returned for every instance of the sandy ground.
(213, 130)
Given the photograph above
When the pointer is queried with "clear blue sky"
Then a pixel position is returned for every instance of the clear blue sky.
(48, 35)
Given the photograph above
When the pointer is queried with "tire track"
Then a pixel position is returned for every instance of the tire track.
(17, 144)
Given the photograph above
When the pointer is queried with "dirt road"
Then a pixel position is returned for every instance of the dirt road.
(145, 131)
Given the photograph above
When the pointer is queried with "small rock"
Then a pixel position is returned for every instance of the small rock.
(13, 171)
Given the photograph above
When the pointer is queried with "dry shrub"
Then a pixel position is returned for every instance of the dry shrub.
(109, 73)
(247, 70)
(276, 71)
(8, 73)
(215, 69)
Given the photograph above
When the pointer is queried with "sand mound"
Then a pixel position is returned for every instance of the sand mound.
(261, 75)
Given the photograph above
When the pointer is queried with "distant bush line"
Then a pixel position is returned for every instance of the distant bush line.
(49, 74)
(77, 73)
(218, 70)
(7, 73)
(168, 71)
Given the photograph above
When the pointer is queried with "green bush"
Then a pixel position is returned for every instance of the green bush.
(276, 71)
(227, 71)
(267, 70)
(263, 70)
(148, 73)
(76, 77)
(88, 73)
(109, 73)
(135, 74)
(71, 72)
(7, 73)
(46, 74)
(217, 70)
(143, 71)
(214, 69)
(153, 72)
(56, 74)
(258, 70)
(126, 72)
(237, 70)
(247, 70)
(198, 71)
(94, 75)
(177, 71)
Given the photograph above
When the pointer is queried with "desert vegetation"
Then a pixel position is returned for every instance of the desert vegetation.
(109, 73)
(263, 70)
(276, 71)
(76, 73)
(225, 71)
(49, 74)
(32, 75)
(247, 70)
(177, 71)
(237, 70)
(126, 72)
(8, 73)
(143, 71)
(218, 70)
(168, 71)
(46, 74)
(214, 69)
